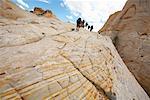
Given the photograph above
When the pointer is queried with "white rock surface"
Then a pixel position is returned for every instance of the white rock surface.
(42, 58)
(48, 60)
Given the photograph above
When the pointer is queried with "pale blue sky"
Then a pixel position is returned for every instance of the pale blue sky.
(54, 5)
(95, 12)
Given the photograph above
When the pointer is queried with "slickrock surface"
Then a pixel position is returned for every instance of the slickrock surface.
(41, 58)
(46, 60)
(130, 31)
(8, 10)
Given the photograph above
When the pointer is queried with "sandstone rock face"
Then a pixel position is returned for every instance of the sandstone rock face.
(38, 11)
(48, 14)
(41, 12)
(47, 61)
(130, 31)
(10, 10)
(41, 58)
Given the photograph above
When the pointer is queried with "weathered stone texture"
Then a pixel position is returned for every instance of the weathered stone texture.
(8, 10)
(47, 60)
(130, 32)
(41, 58)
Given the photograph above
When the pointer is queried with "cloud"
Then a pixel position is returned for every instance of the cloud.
(45, 1)
(95, 12)
(62, 5)
(22, 4)
(69, 17)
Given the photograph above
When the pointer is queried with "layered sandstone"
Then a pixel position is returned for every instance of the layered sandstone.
(48, 14)
(130, 31)
(42, 58)
(40, 12)
(10, 10)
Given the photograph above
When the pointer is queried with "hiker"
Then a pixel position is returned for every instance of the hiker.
(86, 24)
(91, 28)
(78, 24)
(82, 25)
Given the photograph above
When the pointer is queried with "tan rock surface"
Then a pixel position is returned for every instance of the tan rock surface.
(10, 10)
(45, 60)
(38, 11)
(130, 31)
(41, 58)
(46, 13)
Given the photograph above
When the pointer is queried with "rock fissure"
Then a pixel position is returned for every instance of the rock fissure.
(75, 66)
(64, 64)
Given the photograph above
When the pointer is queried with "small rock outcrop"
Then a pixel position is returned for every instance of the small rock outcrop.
(40, 12)
(48, 14)
(130, 32)
(42, 58)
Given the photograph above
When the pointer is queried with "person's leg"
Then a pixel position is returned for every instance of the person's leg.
(77, 28)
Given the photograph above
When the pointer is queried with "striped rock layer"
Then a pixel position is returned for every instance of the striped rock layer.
(130, 32)
(43, 59)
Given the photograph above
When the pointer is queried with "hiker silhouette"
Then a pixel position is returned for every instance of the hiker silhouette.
(82, 24)
(78, 24)
(88, 27)
(91, 28)
(86, 24)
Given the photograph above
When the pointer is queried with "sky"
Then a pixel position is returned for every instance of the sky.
(95, 12)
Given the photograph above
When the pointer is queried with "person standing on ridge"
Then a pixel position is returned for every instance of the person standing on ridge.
(83, 23)
(88, 27)
(78, 24)
(91, 28)
(86, 24)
